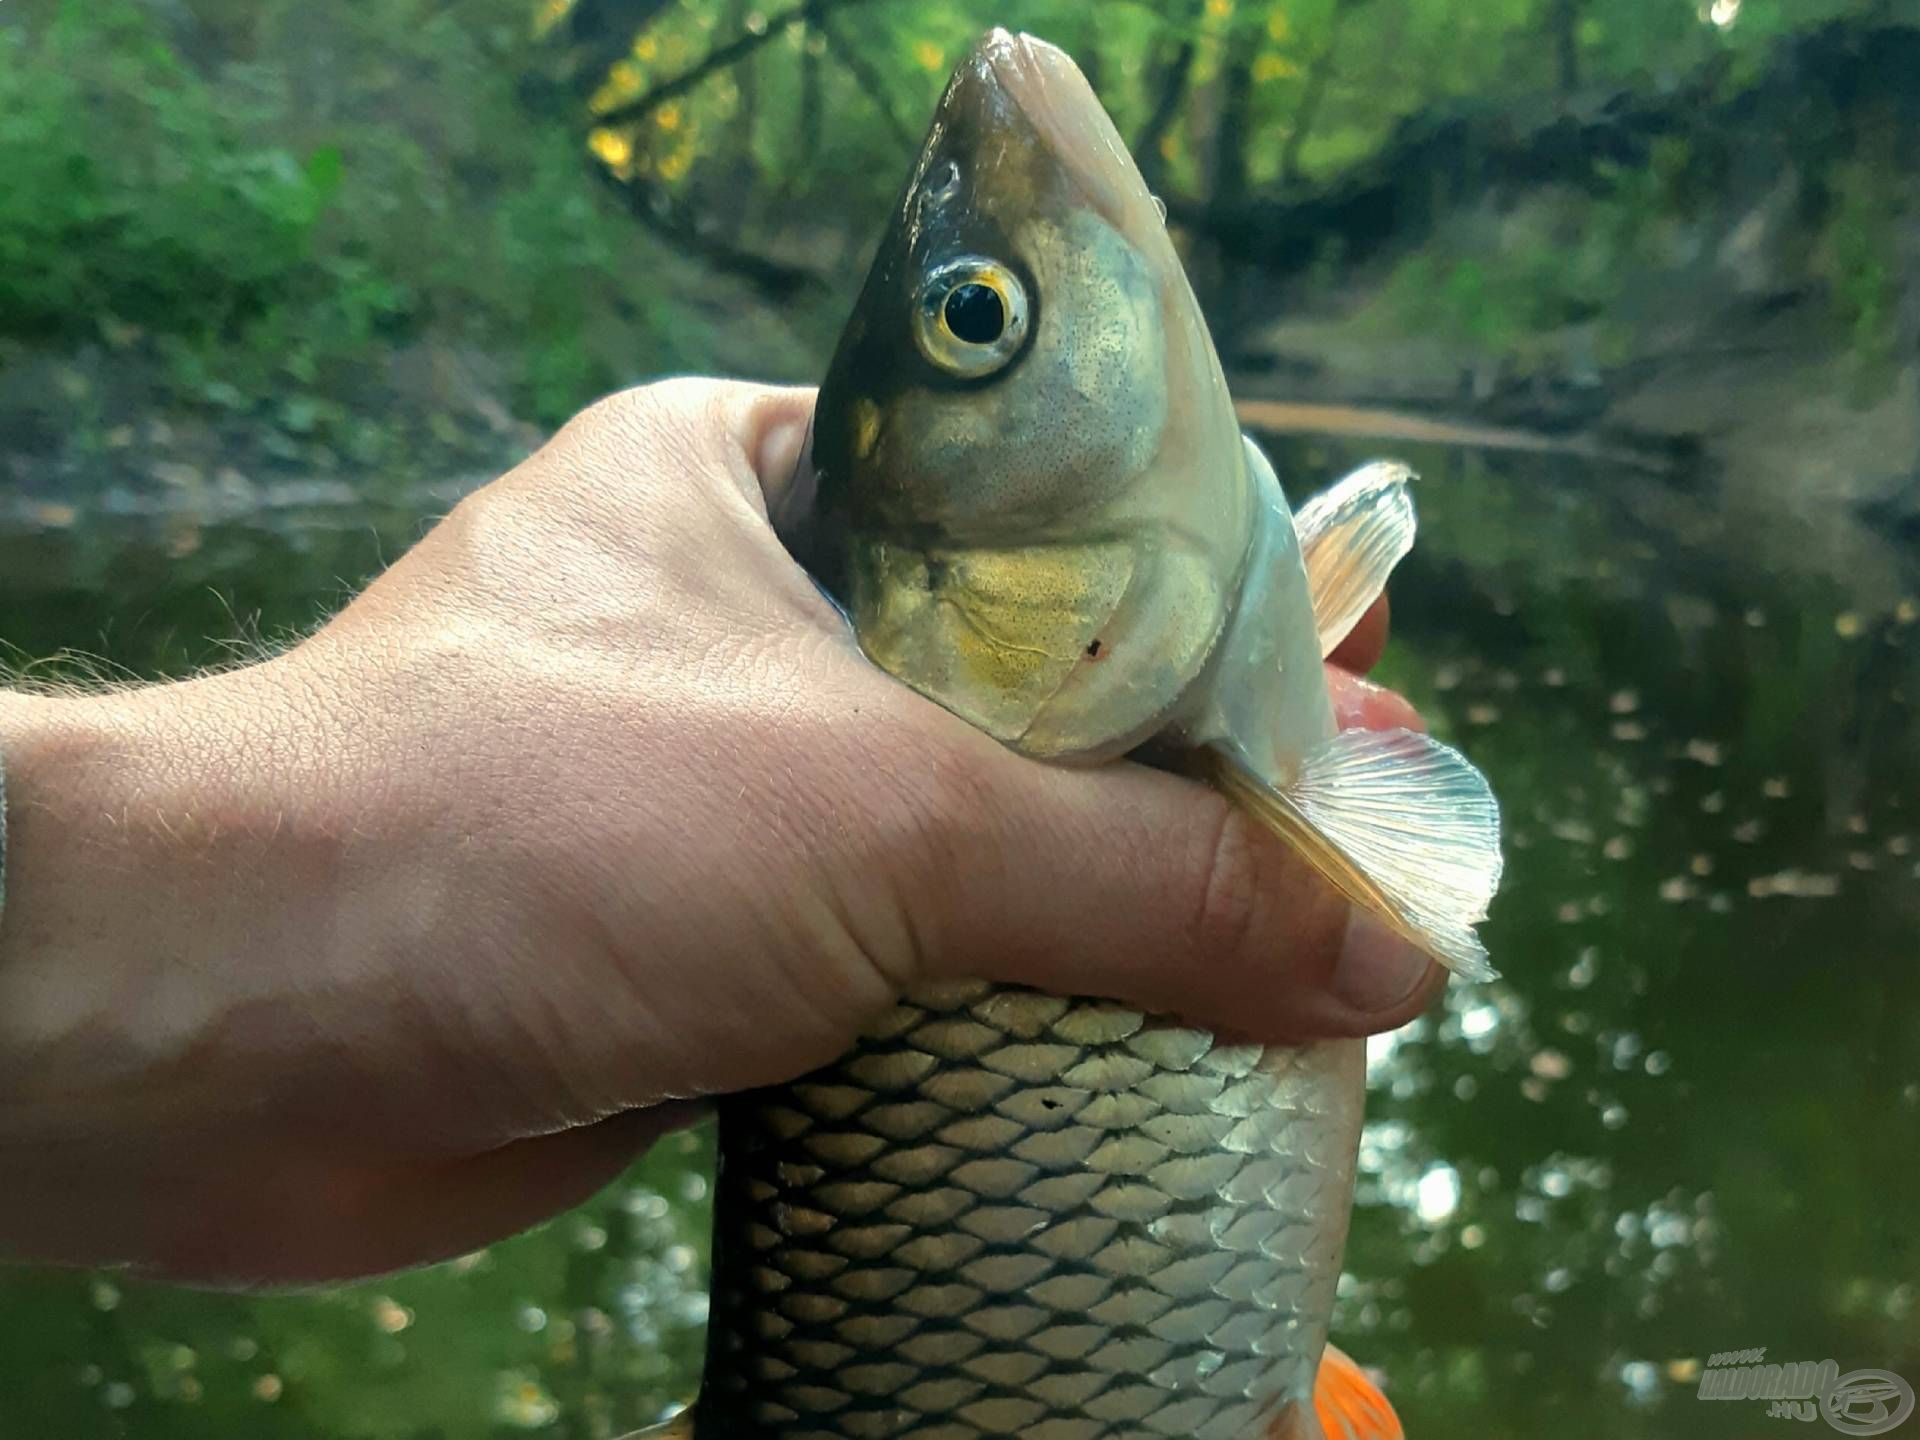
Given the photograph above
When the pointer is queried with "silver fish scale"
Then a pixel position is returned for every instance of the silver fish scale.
(1011, 1214)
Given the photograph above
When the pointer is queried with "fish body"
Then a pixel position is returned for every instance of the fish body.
(1012, 1214)
(1008, 1213)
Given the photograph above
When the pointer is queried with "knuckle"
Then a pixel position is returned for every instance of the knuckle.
(930, 799)
(642, 405)
(1232, 907)
(926, 809)
(626, 412)
(662, 420)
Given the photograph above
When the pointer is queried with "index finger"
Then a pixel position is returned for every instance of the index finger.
(1362, 648)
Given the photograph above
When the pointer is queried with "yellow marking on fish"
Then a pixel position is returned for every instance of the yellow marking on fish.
(992, 659)
(866, 427)
(995, 633)
(1024, 614)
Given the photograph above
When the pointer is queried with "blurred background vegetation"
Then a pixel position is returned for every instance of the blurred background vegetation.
(294, 239)
(1632, 282)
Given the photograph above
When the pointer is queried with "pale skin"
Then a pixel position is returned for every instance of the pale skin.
(587, 809)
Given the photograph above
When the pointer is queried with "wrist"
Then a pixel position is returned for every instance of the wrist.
(141, 835)
(57, 752)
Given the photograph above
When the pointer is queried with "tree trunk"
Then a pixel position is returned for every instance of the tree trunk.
(1169, 93)
(812, 108)
(1566, 41)
(1318, 75)
(1232, 132)
(742, 170)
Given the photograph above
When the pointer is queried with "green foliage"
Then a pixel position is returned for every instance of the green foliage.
(138, 192)
(1331, 78)
(265, 198)
(1861, 259)
(291, 196)
(1488, 305)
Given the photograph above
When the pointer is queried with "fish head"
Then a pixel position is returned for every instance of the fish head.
(1032, 500)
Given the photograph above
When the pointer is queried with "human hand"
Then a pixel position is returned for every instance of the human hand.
(403, 939)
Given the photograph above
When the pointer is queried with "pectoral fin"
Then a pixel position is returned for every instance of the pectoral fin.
(1351, 537)
(1402, 824)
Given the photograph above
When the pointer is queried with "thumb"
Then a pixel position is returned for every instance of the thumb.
(1152, 889)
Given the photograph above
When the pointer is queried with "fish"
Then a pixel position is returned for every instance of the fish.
(1012, 1213)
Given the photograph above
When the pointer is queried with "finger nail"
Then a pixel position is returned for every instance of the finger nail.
(1359, 704)
(1378, 970)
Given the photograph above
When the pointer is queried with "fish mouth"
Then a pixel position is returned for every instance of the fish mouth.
(1044, 84)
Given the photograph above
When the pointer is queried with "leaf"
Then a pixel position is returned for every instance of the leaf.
(326, 168)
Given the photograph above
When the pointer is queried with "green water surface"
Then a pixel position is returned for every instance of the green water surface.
(1687, 1119)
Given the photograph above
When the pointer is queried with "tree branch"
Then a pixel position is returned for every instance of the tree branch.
(718, 59)
(1170, 91)
(596, 33)
(1232, 131)
(1444, 157)
(1564, 20)
(775, 279)
(872, 85)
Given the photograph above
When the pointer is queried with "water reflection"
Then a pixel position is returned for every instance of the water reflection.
(1675, 1125)
(1686, 1120)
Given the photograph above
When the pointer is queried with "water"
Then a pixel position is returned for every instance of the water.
(1686, 1121)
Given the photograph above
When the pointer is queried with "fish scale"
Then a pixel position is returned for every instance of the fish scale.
(1011, 1214)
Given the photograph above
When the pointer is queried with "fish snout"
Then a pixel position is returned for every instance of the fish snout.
(1010, 73)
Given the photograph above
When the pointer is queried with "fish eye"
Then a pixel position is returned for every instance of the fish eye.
(975, 313)
(972, 317)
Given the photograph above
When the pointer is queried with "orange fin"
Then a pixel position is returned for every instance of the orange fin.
(1350, 1406)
